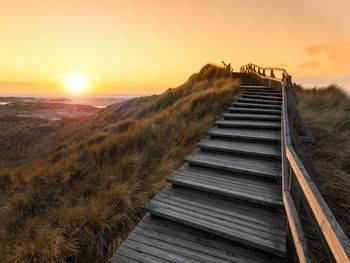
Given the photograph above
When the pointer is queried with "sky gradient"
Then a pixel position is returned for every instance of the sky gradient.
(148, 46)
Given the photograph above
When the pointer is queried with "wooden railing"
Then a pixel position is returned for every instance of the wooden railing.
(298, 186)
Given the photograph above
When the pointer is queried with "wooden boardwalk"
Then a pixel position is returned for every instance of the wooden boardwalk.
(238, 197)
(225, 203)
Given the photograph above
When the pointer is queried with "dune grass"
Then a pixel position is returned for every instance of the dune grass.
(80, 201)
(327, 113)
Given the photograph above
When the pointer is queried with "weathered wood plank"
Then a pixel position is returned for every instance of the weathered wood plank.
(261, 97)
(251, 116)
(296, 229)
(259, 101)
(210, 219)
(246, 133)
(242, 147)
(240, 164)
(255, 105)
(254, 110)
(333, 233)
(238, 187)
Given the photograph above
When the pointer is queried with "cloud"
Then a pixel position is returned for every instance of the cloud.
(337, 56)
(311, 64)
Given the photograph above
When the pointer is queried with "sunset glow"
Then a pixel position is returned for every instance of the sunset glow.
(149, 46)
(76, 83)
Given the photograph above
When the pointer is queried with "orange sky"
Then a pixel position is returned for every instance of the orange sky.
(149, 46)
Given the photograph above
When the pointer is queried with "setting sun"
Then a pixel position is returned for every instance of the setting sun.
(76, 83)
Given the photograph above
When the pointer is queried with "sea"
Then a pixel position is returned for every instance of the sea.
(98, 101)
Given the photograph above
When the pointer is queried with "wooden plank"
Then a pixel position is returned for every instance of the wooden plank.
(159, 255)
(251, 116)
(249, 124)
(265, 188)
(255, 105)
(239, 164)
(271, 217)
(259, 101)
(117, 258)
(262, 93)
(139, 254)
(244, 147)
(333, 233)
(228, 186)
(243, 231)
(257, 134)
(296, 229)
(262, 97)
(253, 110)
(260, 87)
(200, 239)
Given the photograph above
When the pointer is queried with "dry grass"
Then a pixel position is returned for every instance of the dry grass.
(327, 113)
(79, 202)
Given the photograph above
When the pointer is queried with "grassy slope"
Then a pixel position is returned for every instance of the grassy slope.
(327, 112)
(79, 202)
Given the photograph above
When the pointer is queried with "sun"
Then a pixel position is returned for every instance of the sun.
(76, 83)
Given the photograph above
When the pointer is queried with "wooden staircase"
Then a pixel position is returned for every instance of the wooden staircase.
(225, 203)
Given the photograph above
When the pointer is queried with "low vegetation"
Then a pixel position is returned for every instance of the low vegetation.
(78, 201)
(327, 113)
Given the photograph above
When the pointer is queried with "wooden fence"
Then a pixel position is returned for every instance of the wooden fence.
(298, 186)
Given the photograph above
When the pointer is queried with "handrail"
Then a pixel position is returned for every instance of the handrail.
(297, 183)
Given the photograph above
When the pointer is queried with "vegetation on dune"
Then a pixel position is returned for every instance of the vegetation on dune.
(78, 203)
(327, 113)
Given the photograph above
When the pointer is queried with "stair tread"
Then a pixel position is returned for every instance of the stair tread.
(266, 168)
(226, 184)
(245, 133)
(255, 105)
(248, 224)
(259, 101)
(249, 123)
(277, 98)
(254, 110)
(162, 240)
(246, 147)
(252, 116)
(263, 92)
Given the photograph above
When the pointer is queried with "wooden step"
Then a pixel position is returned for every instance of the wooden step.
(161, 240)
(255, 105)
(261, 101)
(225, 184)
(246, 134)
(260, 87)
(253, 226)
(269, 93)
(249, 124)
(242, 147)
(254, 110)
(251, 116)
(263, 97)
(269, 169)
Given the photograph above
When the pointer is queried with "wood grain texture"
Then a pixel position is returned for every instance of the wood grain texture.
(225, 184)
(235, 163)
(246, 133)
(251, 226)
(255, 105)
(251, 148)
(162, 240)
(251, 116)
(249, 124)
(259, 101)
(254, 110)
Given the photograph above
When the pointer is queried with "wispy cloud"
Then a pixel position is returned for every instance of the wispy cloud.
(337, 56)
